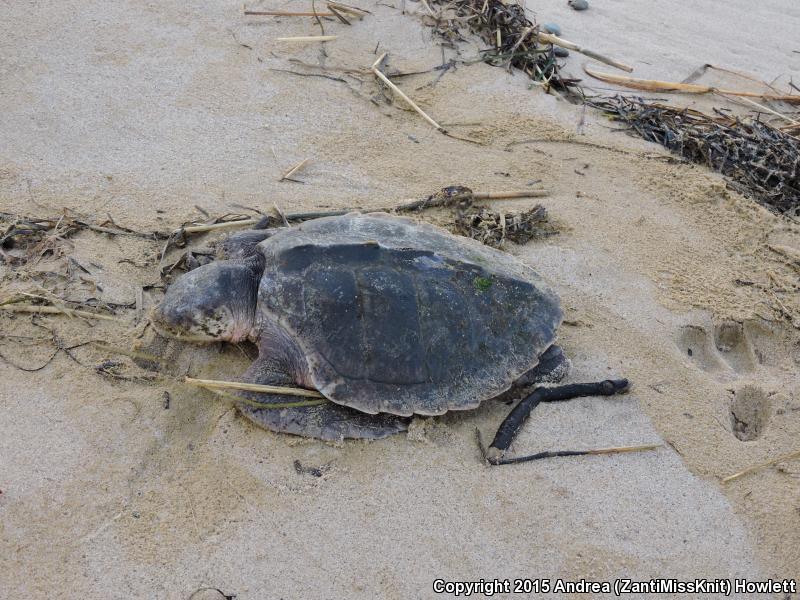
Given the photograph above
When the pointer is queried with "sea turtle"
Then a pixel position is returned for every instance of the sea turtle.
(386, 317)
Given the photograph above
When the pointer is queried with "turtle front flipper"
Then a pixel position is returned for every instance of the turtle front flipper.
(243, 244)
(327, 420)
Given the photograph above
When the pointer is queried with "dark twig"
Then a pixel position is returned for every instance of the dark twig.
(30, 370)
(559, 453)
(321, 75)
(338, 15)
(508, 429)
(59, 347)
(353, 10)
(317, 19)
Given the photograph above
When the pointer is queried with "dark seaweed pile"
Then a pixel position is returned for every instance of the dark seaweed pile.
(494, 228)
(761, 161)
(23, 239)
(518, 44)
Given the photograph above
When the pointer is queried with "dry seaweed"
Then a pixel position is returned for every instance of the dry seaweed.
(30, 239)
(448, 196)
(23, 239)
(493, 228)
(761, 161)
(513, 37)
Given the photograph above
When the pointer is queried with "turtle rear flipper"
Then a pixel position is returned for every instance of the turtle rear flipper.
(327, 421)
(553, 367)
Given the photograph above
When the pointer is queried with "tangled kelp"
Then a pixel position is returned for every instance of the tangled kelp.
(493, 228)
(513, 37)
(23, 239)
(761, 161)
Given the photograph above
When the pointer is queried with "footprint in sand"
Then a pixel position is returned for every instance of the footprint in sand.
(747, 355)
(750, 412)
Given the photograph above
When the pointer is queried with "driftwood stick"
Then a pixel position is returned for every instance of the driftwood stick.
(265, 405)
(253, 387)
(549, 38)
(409, 205)
(307, 216)
(215, 226)
(510, 195)
(516, 418)
(405, 205)
(308, 38)
(655, 85)
(763, 465)
(283, 13)
(562, 453)
(379, 74)
(219, 387)
(559, 453)
(294, 169)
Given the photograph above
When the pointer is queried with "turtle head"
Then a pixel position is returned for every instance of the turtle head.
(215, 302)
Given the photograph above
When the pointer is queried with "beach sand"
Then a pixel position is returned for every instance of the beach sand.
(146, 111)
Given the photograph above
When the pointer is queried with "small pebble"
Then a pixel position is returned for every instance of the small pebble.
(552, 28)
(579, 4)
(560, 52)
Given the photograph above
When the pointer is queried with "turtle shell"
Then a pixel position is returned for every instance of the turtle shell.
(400, 317)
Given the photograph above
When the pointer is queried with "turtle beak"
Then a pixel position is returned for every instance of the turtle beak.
(162, 326)
(159, 324)
(165, 329)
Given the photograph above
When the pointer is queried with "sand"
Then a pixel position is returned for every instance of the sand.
(146, 111)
